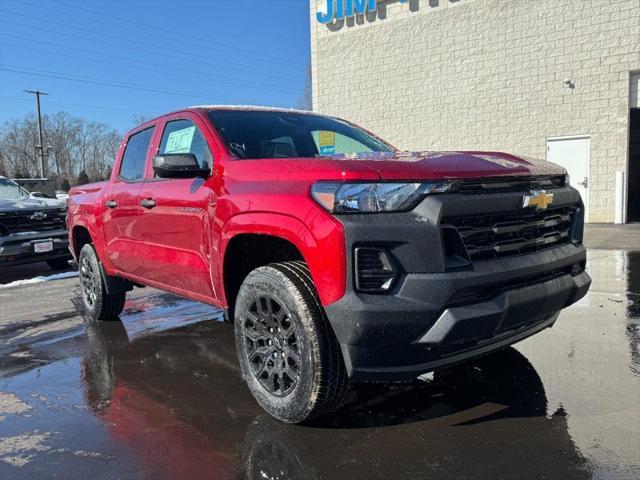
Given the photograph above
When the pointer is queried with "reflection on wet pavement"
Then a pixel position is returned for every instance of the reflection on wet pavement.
(160, 396)
(157, 313)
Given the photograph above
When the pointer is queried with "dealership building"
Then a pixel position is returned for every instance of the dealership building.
(554, 79)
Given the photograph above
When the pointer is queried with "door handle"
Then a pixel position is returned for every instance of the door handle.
(111, 204)
(584, 183)
(148, 203)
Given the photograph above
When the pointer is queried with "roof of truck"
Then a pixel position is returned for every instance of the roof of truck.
(259, 108)
(255, 108)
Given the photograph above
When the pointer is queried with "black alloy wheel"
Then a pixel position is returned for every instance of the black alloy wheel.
(272, 347)
(88, 283)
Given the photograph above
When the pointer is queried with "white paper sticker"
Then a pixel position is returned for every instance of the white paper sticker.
(180, 140)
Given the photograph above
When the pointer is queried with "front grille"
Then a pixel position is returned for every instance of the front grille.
(506, 185)
(25, 221)
(502, 234)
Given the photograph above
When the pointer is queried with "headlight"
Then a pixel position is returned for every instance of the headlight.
(340, 197)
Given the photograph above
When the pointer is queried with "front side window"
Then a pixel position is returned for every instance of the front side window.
(135, 155)
(183, 136)
(275, 134)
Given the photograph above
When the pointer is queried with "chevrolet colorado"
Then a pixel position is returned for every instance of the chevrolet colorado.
(338, 258)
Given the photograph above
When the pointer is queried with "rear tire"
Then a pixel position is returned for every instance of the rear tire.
(98, 304)
(287, 352)
(58, 263)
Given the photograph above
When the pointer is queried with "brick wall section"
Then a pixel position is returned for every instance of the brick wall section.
(487, 74)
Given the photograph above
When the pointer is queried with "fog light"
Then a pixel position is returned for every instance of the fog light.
(375, 270)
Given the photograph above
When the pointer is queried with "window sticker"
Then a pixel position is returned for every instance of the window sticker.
(327, 142)
(180, 140)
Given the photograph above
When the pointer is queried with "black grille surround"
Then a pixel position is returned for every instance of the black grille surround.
(14, 222)
(507, 185)
(493, 235)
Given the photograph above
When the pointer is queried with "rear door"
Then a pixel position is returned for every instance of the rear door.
(177, 213)
(122, 219)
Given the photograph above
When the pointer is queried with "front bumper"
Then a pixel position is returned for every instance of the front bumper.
(18, 249)
(436, 315)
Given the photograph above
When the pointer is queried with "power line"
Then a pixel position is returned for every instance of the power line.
(67, 104)
(137, 62)
(182, 35)
(264, 87)
(95, 81)
(182, 54)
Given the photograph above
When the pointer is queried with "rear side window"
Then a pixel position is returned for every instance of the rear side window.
(182, 136)
(135, 155)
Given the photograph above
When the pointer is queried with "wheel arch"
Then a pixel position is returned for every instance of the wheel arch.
(269, 238)
(80, 236)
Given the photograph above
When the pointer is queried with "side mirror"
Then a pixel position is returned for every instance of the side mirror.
(178, 165)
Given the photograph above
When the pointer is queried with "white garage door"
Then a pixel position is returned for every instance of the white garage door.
(573, 154)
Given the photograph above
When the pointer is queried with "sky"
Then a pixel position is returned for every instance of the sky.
(116, 60)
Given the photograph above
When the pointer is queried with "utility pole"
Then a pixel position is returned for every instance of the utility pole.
(40, 151)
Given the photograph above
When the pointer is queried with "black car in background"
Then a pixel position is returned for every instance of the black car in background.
(32, 229)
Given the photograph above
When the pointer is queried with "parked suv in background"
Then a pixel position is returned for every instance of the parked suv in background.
(32, 229)
(338, 258)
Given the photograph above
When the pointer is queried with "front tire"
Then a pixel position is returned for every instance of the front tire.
(98, 304)
(287, 352)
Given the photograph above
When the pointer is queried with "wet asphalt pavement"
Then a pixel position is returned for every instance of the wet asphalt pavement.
(160, 397)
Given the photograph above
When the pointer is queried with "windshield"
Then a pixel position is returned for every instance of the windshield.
(271, 134)
(11, 191)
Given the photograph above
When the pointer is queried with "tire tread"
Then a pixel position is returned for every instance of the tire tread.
(332, 378)
(109, 306)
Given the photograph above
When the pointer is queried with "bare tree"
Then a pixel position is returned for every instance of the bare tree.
(306, 98)
(140, 118)
(76, 145)
(18, 144)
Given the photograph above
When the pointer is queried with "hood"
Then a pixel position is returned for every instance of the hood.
(30, 203)
(451, 165)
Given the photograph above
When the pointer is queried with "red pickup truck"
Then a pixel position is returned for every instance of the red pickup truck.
(338, 258)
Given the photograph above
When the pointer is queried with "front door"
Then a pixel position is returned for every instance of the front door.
(572, 153)
(176, 217)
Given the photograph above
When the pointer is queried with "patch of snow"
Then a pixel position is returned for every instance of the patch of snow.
(20, 450)
(40, 279)
(11, 403)
(20, 354)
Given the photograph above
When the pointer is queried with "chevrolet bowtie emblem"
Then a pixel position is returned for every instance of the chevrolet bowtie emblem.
(539, 199)
(38, 216)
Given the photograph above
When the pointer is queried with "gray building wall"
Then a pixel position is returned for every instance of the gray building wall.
(487, 74)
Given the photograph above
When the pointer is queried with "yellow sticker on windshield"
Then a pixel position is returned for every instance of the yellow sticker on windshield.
(327, 141)
(327, 138)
